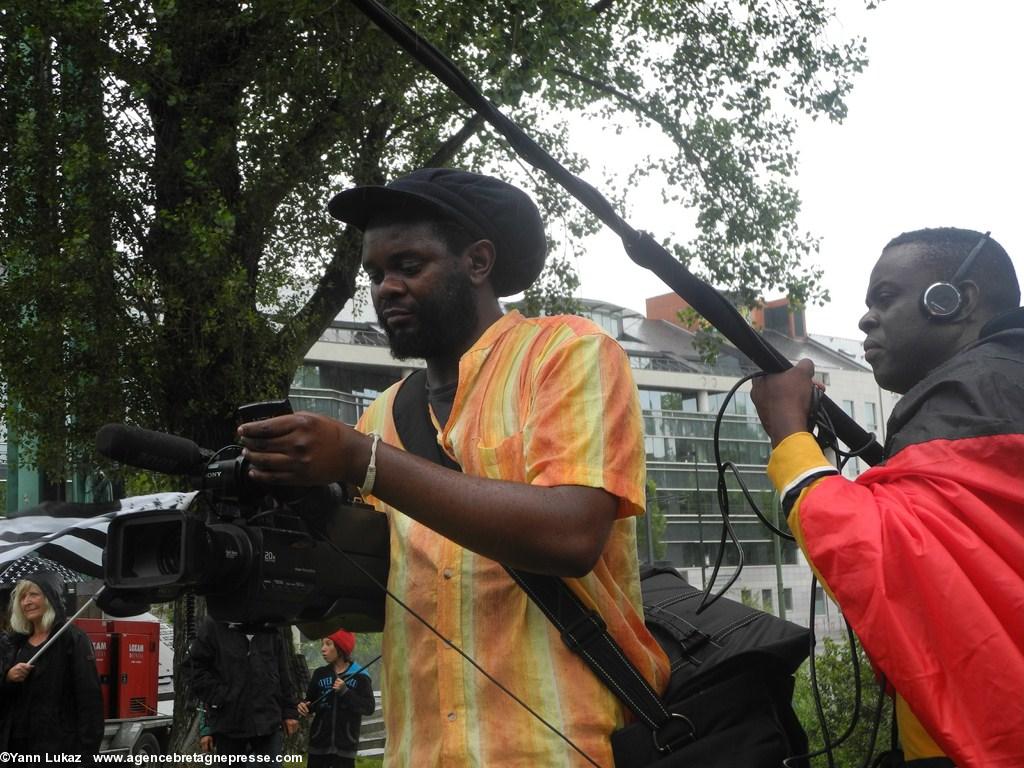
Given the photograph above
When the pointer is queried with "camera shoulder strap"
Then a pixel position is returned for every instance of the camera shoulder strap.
(582, 629)
(411, 413)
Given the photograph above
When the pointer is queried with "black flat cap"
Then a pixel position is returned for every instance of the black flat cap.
(485, 207)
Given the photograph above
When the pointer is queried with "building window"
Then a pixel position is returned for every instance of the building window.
(852, 467)
(799, 324)
(610, 322)
(787, 598)
(777, 319)
(870, 417)
(668, 400)
(307, 375)
(766, 601)
(740, 403)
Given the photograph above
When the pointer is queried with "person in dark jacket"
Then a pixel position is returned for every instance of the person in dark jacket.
(242, 678)
(924, 552)
(54, 705)
(340, 693)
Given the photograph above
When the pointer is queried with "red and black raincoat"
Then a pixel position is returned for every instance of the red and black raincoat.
(925, 552)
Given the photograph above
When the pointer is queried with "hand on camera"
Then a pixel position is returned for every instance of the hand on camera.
(304, 449)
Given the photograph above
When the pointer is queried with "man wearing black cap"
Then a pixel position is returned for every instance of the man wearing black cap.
(542, 418)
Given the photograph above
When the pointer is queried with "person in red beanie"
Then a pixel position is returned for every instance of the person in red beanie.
(340, 693)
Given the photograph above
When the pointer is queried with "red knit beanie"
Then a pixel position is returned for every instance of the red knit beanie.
(343, 641)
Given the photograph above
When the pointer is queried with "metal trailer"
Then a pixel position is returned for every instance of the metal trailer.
(147, 735)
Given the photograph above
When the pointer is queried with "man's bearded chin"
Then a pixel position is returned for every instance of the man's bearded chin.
(444, 322)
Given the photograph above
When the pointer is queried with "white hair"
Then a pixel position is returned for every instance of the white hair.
(19, 623)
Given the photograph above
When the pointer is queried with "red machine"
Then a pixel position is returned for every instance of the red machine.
(138, 659)
(127, 659)
(98, 633)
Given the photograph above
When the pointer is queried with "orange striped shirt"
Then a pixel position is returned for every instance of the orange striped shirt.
(548, 401)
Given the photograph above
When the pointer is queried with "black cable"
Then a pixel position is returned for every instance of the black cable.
(828, 438)
(820, 421)
(894, 750)
(815, 691)
(722, 466)
(877, 725)
(830, 745)
(819, 417)
(860, 451)
(722, 493)
(705, 602)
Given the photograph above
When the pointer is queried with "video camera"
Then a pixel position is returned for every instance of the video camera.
(259, 554)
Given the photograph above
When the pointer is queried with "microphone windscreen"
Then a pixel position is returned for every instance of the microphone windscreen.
(146, 449)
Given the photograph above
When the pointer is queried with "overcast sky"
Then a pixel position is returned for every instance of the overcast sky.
(933, 138)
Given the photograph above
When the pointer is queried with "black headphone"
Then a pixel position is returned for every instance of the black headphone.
(942, 300)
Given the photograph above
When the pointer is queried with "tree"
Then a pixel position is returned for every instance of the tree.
(165, 167)
(655, 521)
(165, 250)
(837, 692)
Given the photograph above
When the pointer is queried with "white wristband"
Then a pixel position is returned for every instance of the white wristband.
(371, 468)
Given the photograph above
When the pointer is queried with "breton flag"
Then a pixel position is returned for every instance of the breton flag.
(72, 535)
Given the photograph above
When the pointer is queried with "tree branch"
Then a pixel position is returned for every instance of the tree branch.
(662, 122)
(335, 287)
(640, 107)
(268, 189)
(265, 192)
(455, 142)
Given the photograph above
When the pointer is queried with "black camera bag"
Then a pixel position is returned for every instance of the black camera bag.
(732, 679)
(728, 703)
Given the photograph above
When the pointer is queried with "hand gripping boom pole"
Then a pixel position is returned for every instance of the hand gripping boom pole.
(640, 246)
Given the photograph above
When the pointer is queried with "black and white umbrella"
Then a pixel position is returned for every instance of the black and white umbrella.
(24, 566)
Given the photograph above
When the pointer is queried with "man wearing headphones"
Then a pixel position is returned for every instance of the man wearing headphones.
(925, 552)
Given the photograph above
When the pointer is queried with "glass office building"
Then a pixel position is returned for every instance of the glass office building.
(681, 396)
